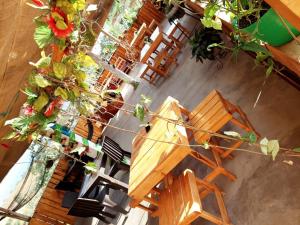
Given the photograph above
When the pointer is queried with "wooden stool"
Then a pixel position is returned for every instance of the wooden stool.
(180, 202)
(212, 114)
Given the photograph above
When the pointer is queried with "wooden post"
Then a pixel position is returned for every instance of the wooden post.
(15, 215)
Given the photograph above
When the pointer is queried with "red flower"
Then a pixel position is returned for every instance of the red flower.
(28, 110)
(50, 109)
(59, 24)
(38, 3)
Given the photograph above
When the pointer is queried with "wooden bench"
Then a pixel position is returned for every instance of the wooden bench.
(180, 203)
(212, 114)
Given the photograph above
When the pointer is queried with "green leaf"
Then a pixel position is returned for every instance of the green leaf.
(43, 36)
(232, 134)
(13, 122)
(79, 150)
(139, 112)
(253, 46)
(273, 148)
(206, 145)
(269, 70)
(56, 16)
(41, 102)
(79, 5)
(10, 135)
(60, 70)
(211, 9)
(60, 24)
(41, 81)
(296, 149)
(91, 167)
(61, 92)
(212, 23)
(29, 93)
(264, 146)
(43, 62)
(145, 100)
(250, 136)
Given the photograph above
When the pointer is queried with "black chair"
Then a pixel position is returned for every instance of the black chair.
(120, 157)
(76, 170)
(94, 199)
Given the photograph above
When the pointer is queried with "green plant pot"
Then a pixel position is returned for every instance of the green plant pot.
(271, 29)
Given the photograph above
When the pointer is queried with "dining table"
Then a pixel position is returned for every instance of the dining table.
(157, 152)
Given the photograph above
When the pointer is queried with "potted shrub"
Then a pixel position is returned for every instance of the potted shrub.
(202, 42)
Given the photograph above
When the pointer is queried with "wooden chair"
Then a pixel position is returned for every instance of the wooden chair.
(212, 114)
(179, 34)
(161, 64)
(180, 202)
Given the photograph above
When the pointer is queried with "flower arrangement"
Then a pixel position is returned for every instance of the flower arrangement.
(60, 74)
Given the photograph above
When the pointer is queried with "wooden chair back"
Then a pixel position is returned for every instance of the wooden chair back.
(210, 115)
(180, 203)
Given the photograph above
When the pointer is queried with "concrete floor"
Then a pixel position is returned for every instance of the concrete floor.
(266, 192)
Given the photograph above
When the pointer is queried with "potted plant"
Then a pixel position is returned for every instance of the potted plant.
(202, 42)
(264, 23)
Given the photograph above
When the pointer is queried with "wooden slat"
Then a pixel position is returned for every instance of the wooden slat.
(210, 115)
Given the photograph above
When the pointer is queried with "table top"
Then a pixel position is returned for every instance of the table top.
(152, 160)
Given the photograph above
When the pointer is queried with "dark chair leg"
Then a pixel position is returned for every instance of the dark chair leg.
(107, 214)
(113, 170)
(103, 219)
(113, 205)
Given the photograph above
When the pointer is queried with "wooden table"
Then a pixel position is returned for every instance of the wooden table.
(152, 160)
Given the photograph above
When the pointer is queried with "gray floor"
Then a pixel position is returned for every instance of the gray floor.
(266, 192)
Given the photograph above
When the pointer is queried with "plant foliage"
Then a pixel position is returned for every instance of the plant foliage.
(201, 42)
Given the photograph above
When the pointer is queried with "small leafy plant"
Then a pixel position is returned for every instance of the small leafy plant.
(201, 45)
